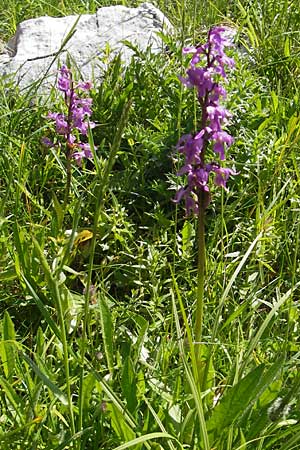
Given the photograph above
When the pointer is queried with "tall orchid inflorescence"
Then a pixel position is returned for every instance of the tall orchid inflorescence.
(207, 69)
(75, 122)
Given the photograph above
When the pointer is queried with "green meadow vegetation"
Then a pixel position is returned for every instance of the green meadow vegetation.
(98, 294)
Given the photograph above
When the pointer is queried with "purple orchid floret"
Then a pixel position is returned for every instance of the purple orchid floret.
(64, 82)
(85, 152)
(61, 124)
(75, 121)
(222, 175)
(85, 85)
(220, 138)
(47, 142)
(191, 147)
(206, 70)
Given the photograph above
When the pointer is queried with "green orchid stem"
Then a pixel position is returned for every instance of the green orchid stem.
(200, 285)
(68, 183)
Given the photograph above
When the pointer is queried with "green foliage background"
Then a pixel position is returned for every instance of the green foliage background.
(117, 372)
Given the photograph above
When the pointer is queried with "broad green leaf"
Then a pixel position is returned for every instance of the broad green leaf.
(274, 100)
(259, 422)
(88, 386)
(8, 346)
(40, 342)
(59, 211)
(260, 417)
(188, 233)
(141, 385)
(119, 424)
(107, 332)
(237, 400)
(263, 125)
(270, 394)
(287, 47)
(129, 384)
(141, 352)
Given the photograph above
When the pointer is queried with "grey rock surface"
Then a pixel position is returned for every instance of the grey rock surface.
(39, 45)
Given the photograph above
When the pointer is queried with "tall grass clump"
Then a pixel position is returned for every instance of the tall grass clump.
(121, 327)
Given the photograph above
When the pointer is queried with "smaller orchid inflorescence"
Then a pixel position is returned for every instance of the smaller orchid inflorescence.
(75, 121)
(207, 68)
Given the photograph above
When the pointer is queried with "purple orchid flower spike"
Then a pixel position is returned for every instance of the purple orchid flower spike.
(207, 68)
(75, 122)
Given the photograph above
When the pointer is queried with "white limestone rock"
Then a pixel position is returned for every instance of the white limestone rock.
(32, 53)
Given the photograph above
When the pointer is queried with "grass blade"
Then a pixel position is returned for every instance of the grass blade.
(145, 438)
(47, 382)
